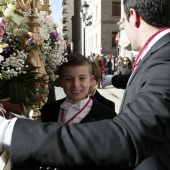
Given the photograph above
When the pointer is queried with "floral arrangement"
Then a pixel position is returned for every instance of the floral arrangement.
(17, 77)
(53, 47)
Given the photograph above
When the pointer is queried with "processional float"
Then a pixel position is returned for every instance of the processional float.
(34, 54)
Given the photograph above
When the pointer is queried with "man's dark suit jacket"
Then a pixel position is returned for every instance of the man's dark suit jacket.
(137, 138)
(98, 112)
(104, 101)
(120, 81)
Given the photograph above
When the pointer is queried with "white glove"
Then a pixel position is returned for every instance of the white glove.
(3, 126)
(106, 81)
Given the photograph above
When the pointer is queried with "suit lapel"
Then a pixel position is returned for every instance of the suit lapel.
(139, 64)
(159, 44)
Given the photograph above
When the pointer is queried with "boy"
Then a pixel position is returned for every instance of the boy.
(75, 77)
(93, 91)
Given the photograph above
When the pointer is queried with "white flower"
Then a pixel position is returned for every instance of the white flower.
(2, 45)
(11, 6)
(1, 58)
(51, 51)
(16, 31)
(8, 12)
(17, 19)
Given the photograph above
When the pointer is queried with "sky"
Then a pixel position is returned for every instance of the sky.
(56, 10)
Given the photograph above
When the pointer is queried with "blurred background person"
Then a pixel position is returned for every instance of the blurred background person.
(91, 56)
(119, 62)
(131, 57)
(113, 65)
(126, 67)
(103, 57)
(100, 64)
(108, 67)
(134, 58)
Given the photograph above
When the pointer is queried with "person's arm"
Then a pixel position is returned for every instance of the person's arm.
(118, 81)
(118, 72)
(138, 132)
(114, 142)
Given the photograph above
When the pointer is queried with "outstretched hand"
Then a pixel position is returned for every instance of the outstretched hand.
(106, 81)
(3, 126)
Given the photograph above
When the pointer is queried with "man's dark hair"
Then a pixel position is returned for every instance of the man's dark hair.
(154, 12)
(75, 59)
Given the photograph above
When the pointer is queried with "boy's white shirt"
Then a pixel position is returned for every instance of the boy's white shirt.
(72, 107)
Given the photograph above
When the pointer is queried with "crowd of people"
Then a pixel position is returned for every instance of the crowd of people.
(110, 65)
(137, 138)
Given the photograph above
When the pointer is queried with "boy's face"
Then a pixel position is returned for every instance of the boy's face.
(75, 81)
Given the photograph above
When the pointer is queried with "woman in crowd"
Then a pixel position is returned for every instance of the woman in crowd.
(126, 67)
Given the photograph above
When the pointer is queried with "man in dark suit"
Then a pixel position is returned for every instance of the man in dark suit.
(139, 136)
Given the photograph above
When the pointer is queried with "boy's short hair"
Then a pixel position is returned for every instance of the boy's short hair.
(95, 71)
(75, 59)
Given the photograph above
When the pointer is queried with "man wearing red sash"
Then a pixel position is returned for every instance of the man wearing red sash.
(138, 137)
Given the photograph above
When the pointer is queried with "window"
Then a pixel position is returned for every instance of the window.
(64, 21)
(116, 8)
(114, 39)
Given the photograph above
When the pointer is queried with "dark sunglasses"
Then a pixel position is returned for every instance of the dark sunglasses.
(126, 60)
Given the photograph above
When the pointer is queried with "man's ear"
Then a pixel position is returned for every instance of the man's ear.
(135, 18)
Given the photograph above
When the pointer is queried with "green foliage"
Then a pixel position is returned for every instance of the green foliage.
(23, 89)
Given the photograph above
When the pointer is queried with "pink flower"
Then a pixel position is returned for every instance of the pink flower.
(1, 31)
(2, 21)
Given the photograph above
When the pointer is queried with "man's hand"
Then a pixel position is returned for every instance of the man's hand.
(3, 126)
(106, 81)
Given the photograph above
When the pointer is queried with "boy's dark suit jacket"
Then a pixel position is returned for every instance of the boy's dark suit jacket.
(104, 101)
(97, 112)
(49, 113)
(137, 138)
